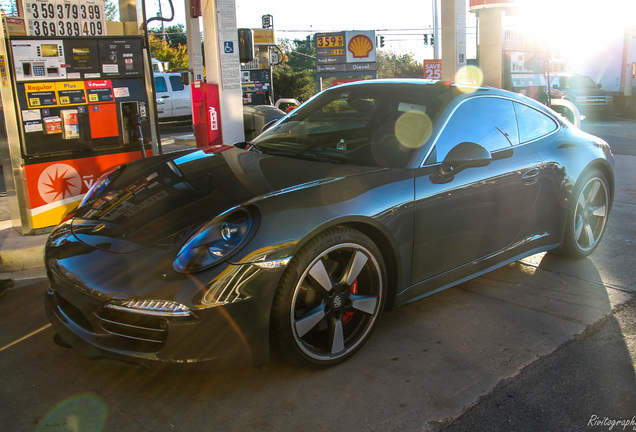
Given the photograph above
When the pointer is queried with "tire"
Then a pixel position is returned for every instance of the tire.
(587, 216)
(329, 299)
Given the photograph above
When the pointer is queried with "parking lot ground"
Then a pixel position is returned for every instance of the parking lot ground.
(587, 384)
(427, 362)
(426, 365)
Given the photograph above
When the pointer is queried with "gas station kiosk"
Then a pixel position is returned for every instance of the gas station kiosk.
(72, 107)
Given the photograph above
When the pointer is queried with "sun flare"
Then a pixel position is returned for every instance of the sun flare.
(577, 28)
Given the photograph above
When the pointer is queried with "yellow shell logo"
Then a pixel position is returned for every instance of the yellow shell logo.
(360, 46)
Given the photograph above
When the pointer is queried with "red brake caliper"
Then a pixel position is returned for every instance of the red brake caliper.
(348, 315)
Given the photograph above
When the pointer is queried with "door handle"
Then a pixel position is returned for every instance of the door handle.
(530, 176)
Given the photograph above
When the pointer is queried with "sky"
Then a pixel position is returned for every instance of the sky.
(578, 26)
(296, 19)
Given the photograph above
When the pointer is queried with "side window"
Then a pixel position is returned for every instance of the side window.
(532, 123)
(487, 121)
(160, 84)
(176, 83)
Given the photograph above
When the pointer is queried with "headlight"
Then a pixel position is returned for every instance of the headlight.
(103, 181)
(215, 241)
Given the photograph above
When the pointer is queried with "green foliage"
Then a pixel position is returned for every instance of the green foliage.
(9, 7)
(301, 55)
(112, 10)
(291, 84)
(392, 65)
(162, 51)
(295, 77)
(175, 35)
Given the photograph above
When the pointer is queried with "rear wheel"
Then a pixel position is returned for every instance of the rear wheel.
(588, 215)
(329, 299)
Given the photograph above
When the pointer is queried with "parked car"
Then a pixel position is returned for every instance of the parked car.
(369, 196)
(174, 98)
(587, 95)
(256, 117)
(287, 104)
(174, 102)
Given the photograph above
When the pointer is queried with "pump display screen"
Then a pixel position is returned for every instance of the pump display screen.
(48, 50)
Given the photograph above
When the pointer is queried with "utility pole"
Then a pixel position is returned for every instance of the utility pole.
(436, 44)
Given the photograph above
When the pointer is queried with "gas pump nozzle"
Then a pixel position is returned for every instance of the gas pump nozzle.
(132, 124)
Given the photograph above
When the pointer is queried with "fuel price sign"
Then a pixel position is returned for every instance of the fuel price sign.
(333, 40)
(330, 48)
(65, 17)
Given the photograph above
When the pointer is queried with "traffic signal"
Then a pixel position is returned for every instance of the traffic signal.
(432, 39)
(425, 39)
(381, 41)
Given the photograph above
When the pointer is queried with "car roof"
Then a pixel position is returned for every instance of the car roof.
(440, 87)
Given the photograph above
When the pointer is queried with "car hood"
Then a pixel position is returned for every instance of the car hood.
(163, 202)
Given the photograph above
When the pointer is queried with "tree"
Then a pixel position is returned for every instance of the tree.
(162, 51)
(298, 85)
(295, 77)
(301, 54)
(175, 35)
(393, 65)
(9, 7)
(112, 10)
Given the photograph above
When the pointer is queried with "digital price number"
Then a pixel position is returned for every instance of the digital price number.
(330, 41)
(65, 17)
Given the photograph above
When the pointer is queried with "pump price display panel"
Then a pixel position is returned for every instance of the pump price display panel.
(330, 41)
(330, 48)
(65, 17)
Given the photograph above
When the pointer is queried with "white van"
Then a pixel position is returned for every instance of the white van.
(173, 96)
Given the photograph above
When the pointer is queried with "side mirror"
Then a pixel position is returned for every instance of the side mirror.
(185, 78)
(462, 156)
(599, 85)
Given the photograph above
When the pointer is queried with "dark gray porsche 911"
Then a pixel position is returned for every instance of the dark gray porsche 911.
(369, 196)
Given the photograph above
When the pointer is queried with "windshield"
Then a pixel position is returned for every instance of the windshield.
(368, 124)
(578, 82)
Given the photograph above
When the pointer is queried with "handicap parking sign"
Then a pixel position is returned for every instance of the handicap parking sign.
(228, 47)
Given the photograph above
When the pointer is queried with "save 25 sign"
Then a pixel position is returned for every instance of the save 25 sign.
(433, 69)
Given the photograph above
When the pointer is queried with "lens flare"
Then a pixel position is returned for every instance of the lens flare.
(413, 129)
(469, 78)
(84, 412)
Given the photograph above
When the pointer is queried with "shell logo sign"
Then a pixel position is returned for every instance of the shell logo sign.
(360, 46)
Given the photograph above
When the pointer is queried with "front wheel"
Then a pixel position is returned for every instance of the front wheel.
(329, 299)
(587, 216)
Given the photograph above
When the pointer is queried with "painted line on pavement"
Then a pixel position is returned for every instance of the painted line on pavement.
(25, 337)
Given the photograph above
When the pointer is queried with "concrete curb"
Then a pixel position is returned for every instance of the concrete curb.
(188, 140)
(18, 252)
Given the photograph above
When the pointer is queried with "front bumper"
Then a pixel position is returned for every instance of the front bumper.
(230, 332)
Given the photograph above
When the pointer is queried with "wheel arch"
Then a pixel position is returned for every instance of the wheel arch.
(608, 172)
(381, 239)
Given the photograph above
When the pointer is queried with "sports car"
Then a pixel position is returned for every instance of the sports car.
(369, 196)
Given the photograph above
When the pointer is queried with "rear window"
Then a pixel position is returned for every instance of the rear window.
(532, 123)
(176, 83)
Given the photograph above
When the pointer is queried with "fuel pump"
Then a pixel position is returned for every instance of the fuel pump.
(81, 107)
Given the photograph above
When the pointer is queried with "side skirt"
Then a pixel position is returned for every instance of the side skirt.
(404, 299)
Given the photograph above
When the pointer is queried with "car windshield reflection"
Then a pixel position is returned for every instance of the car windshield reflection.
(366, 125)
